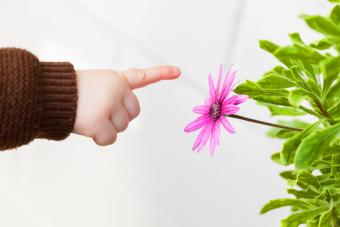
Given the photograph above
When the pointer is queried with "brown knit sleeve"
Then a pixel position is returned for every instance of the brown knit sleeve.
(37, 99)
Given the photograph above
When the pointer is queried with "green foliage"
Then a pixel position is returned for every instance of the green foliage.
(307, 82)
(312, 147)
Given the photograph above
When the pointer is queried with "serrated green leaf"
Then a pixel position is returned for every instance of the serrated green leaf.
(290, 146)
(312, 147)
(278, 203)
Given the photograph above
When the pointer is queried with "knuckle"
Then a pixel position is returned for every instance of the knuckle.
(140, 74)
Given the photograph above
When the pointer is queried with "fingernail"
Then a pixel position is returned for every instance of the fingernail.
(176, 70)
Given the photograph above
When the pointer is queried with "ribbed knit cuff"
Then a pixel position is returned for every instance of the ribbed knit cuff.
(58, 99)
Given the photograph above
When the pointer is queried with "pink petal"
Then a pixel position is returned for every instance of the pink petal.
(219, 81)
(198, 123)
(226, 79)
(207, 102)
(212, 146)
(230, 109)
(202, 109)
(227, 125)
(218, 129)
(200, 137)
(240, 99)
(227, 85)
(230, 100)
(211, 88)
(205, 137)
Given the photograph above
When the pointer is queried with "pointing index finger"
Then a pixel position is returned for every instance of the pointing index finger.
(142, 77)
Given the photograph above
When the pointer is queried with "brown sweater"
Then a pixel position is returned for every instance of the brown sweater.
(37, 99)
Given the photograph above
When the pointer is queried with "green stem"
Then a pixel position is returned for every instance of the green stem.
(262, 122)
(311, 112)
(322, 110)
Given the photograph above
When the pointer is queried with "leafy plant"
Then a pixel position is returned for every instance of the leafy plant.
(307, 82)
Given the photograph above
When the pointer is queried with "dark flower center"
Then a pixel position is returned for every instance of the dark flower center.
(215, 111)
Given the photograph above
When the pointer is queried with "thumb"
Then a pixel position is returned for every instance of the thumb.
(142, 77)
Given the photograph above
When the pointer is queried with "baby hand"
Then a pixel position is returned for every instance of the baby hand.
(106, 103)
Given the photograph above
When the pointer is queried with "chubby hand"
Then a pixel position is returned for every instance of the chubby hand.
(106, 103)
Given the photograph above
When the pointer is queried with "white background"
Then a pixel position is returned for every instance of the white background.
(150, 177)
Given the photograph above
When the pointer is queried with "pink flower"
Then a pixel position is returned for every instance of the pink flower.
(212, 113)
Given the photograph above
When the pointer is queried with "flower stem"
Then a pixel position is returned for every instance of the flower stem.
(263, 122)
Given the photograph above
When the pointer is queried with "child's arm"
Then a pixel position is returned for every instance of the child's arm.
(50, 99)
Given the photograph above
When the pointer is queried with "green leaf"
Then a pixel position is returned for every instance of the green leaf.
(323, 25)
(284, 111)
(302, 194)
(296, 96)
(335, 14)
(275, 81)
(306, 179)
(276, 158)
(285, 133)
(303, 53)
(314, 145)
(312, 224)
(281, 133)
(290, 146)
(314, 87)
(325, 219)
(334, 1)
(295, 38)
(268, 46)
(331, 69)
(331, 181)
(302, 217)
(322, 44)
(288, 175)
(333, 95)
(281, 71)
(334, 111)
(278, 203)
(252, 89)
